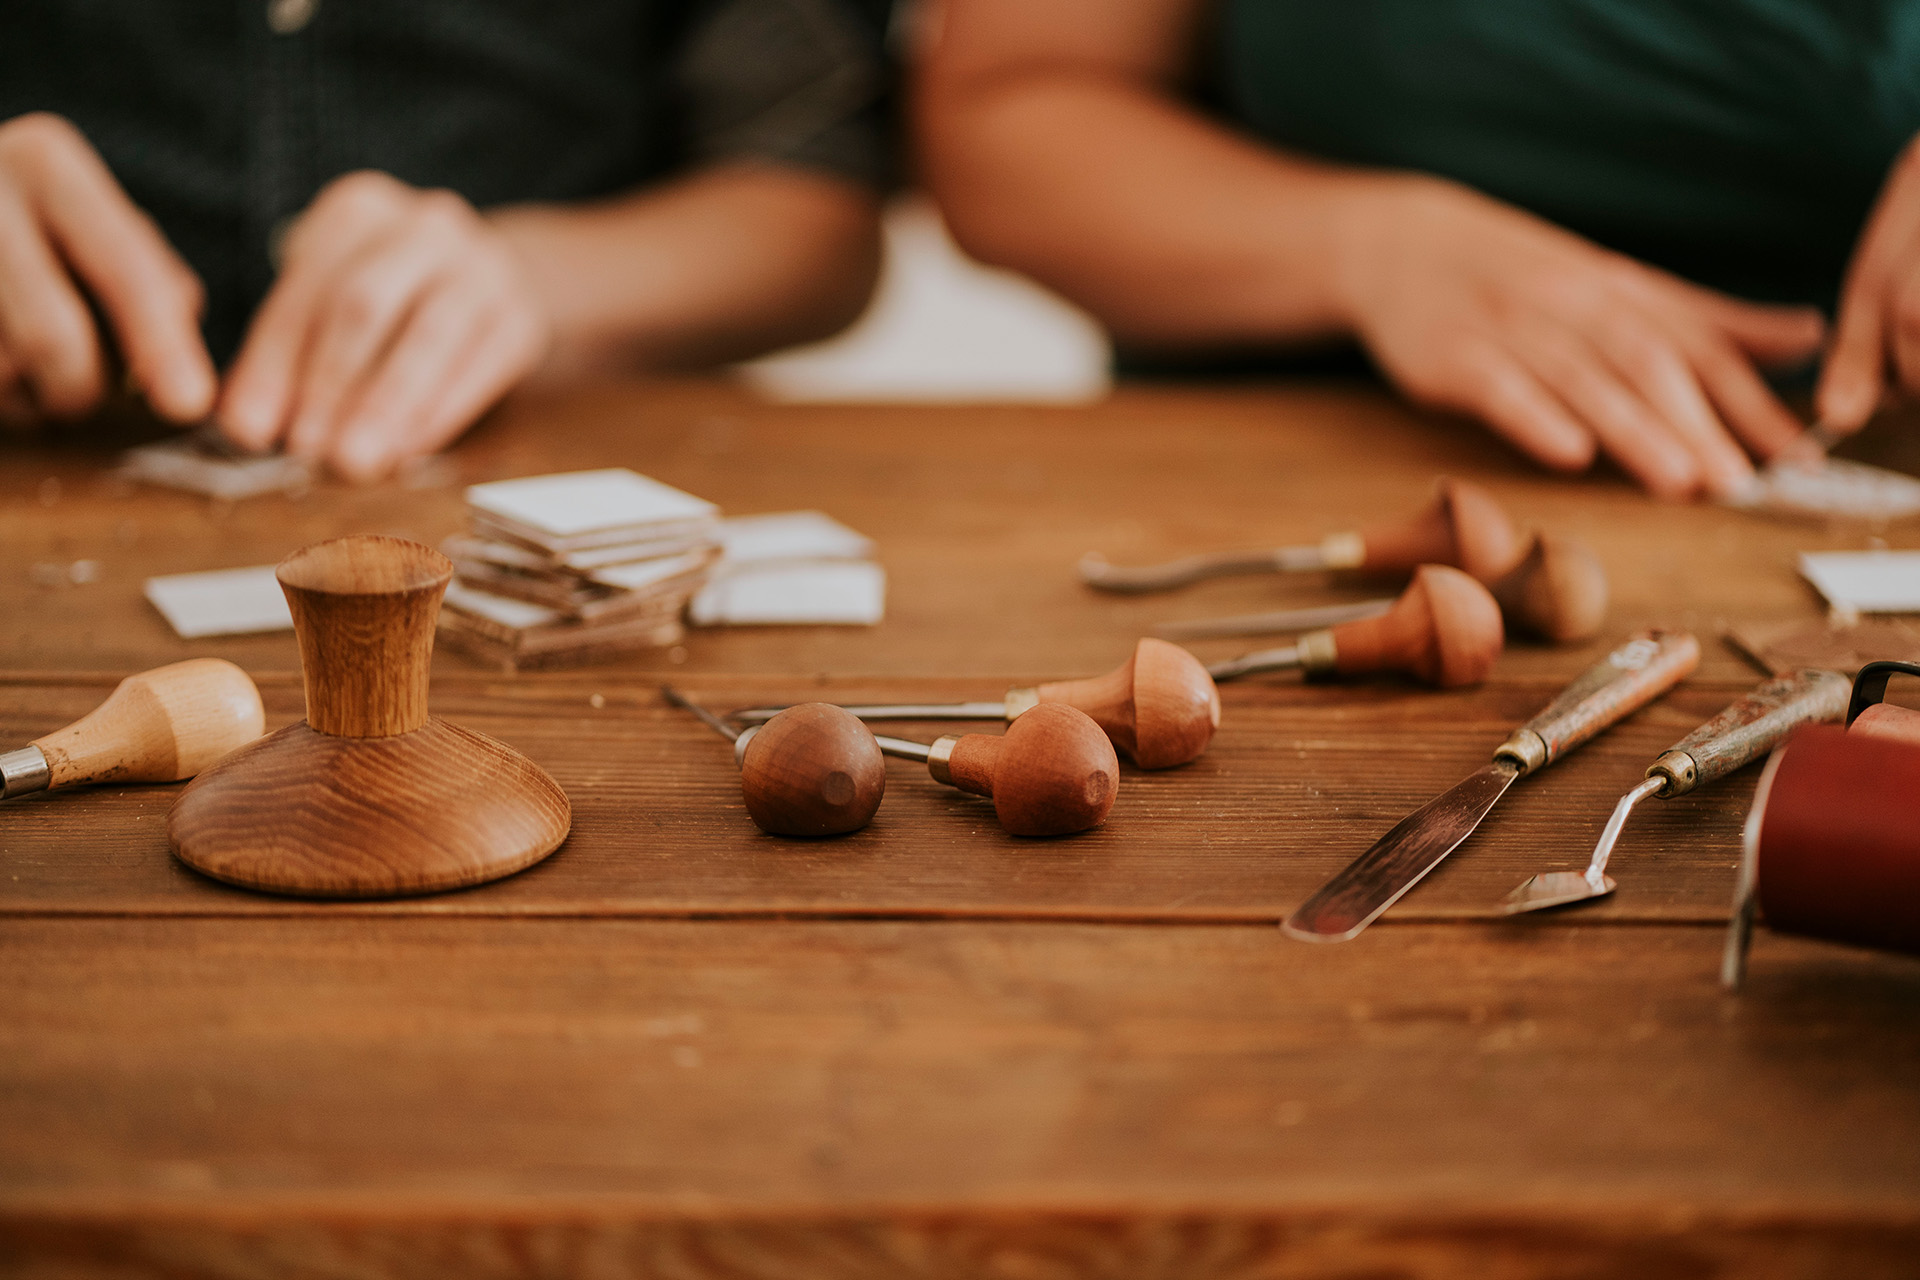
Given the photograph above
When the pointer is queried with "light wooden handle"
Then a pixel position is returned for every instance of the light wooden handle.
(1627, 679)
(1464, 526)
(159, 726)
(1160, 706)
(364, 609)
(1052, 773)
(1751, 727)
(1444, 629)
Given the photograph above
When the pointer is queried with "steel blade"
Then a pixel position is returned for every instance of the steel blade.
(1376, 879)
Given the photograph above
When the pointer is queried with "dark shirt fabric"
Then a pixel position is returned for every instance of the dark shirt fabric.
(223, 127)
(1738, 143)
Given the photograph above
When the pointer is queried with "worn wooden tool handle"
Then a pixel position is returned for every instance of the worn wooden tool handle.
(1646, 666)
(1750, 727)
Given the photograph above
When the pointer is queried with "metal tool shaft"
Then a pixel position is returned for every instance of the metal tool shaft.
(707, 717)
(898, 711)
(1597, 865)
(1273, 622)
(1285, 658)
(904, 749)
(1096, 572)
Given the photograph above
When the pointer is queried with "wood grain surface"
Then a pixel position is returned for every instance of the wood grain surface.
(681, 1047)
(1138, 1101)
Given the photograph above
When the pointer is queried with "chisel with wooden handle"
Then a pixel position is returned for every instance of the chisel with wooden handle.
(159, 726)
(1633, 675)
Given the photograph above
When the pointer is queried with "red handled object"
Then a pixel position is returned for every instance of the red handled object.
(1832, 845)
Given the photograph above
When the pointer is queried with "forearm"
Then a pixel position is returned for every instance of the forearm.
(1170, 229)
(715, 266)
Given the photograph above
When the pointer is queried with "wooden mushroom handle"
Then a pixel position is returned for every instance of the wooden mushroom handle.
(1751, 727)
(159, 726)
(1444, 629)
(1052, 773)
(1464, 526)
(1159, 707)
(1646, 666)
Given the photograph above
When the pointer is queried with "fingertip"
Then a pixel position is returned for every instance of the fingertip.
(1846, 398)
(184, 392)
(362, 457)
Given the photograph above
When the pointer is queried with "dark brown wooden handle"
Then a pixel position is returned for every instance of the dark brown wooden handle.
(1751, 727)
(1646, 666)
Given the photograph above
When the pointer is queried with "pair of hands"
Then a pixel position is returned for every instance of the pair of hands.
(1567, 349)
(399, 315)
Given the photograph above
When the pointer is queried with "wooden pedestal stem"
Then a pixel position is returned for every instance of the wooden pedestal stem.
(369, 797)
(1463, 526)
(1444, 629)
(364, 610)
(1052, 773)
(1159, 707)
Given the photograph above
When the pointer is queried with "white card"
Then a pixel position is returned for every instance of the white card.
(791, 535)
(845, 593)
(1840, 488)
(1866, 581)
(187, 464)
(505, 610)
(576, 502)
(225, 602)
(644, 573)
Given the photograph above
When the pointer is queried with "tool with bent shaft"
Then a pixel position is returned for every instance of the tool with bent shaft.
(1443, 630)
(812, 770)
(1159, 706)
(1743, 732)
(159, 726)
(1624, 681)
(1558, 593)
(1462, 526)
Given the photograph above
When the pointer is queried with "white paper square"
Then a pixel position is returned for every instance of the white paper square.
(224, 602)
(1866, 581)
(576, 502)
(791, 535)
(843, 593)
(645, 573)
(505, 610)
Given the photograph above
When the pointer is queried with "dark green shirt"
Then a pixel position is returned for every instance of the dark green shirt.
(1739, 143)
(223, 120)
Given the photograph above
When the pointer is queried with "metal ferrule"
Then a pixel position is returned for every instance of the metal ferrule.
(1680, 770)
(1021, 701)
(1318, 654)
(23, 772)
(1524, 748)
(740, 744)
(939, 755)
(1343, 551)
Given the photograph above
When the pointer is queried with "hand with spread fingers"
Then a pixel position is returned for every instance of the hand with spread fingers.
(1876, 341)
(1568, 349)
(399, 317)
(70, 234)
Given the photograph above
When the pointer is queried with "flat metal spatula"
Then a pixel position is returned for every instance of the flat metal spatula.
(1744, 731)
(1621, 683)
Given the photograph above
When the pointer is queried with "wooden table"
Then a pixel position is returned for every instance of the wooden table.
(681, 1048)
